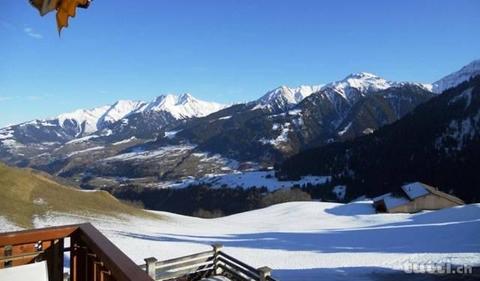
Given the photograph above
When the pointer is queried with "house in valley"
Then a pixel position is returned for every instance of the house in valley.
(415, 197)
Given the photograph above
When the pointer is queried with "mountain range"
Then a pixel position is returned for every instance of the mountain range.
(339, 110)
(175, 137)
(437, 143)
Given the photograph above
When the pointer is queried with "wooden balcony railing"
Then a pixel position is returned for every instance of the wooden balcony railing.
(92, 256)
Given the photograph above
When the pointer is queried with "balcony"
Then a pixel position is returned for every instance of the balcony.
(91, 256)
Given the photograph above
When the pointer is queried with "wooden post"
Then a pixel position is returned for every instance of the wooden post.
(264, 273)
(151, 268)
(78, 260)
(7, 252)
(54, 257)
(216, 251)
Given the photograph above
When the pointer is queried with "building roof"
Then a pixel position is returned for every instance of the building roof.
(390, 200)
(393, 201)
(379, 198)
(411, 192)
(415, 190)
(447, 196)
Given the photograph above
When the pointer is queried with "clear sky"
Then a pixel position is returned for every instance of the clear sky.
(221, 50)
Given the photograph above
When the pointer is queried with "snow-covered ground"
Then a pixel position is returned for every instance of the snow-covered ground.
(246, 180)
(140, 154)
(305, 240)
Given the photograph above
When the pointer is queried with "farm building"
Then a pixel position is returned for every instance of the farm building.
(415, 197)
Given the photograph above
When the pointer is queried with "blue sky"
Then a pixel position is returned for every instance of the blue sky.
(222, 50)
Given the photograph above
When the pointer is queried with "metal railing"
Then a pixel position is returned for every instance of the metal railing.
(205, 264)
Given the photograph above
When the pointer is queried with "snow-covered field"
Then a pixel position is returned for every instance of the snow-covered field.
(140, 154)
(247, 179)
(305, 240)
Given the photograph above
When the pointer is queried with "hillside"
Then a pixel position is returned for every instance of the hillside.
(27, 194)
(438, 143)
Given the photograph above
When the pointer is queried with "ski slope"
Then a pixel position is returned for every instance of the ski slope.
(304, 240)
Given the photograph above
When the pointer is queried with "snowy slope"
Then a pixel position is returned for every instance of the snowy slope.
(452, 80)
(119, 110)
(248, 179)
(87, 121)
(305, 240)
(84, 120)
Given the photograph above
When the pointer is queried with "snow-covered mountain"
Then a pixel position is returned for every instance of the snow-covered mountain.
(124, 117)
(283, 122)
(66, 126)
(119, 110)
(87, 121)
(349, 89)
(284, 97)
(361, 84)
(356, 85)
(163, 112)
(181, 107)
(454, 79)
(278, 125)
(445, 130)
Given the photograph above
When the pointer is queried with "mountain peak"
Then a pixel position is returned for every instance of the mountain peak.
(85, 120)
(185, 98)
(182, 106)
(357, 84)
(361, 75)
(284, 97)
(465, 73)
(119, 110)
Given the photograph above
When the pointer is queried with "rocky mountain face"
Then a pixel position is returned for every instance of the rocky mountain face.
(437, 143)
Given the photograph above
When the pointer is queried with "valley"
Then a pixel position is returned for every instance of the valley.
(239, 140)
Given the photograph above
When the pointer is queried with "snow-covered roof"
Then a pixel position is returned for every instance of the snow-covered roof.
(392, 201)
(381, 197)
(412, 191)
(415, 190)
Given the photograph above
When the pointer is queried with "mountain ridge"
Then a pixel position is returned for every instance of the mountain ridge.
(465, 73)
(436, 143)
